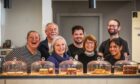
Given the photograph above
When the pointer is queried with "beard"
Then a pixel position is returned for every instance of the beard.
(112, 33)
(78, 42)
(52, 36)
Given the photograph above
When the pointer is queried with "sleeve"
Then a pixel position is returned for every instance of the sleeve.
(79, 58)
(69, 53)
(101, 49)
(107, 58)
(51, 59)
(10, 56)
(125, 48)
(44, 51)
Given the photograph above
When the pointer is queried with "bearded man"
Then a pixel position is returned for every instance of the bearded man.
(76, 47)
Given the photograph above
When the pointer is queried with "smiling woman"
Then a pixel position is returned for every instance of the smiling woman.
(29, 52)
(33, 40)
(115, 49)
(90, 53)
(59, 52)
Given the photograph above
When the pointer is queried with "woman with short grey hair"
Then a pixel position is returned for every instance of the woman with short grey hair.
(59, 52)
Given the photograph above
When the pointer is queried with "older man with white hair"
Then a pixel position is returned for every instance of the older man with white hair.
(51, 31)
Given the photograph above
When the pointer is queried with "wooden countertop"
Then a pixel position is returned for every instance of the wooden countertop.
(69, 76)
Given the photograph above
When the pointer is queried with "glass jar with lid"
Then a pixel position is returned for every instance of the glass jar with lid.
(14, 67)
(99, 67)
(70, 67)
(42, 68)
(125, 67)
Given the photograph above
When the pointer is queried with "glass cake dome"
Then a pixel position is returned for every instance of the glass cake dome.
(42, 67)
(125, 67)
(99, 67)
(14, 67)
(70, 67)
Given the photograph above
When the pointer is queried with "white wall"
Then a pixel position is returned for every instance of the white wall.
(0, 20)
(2, 23)
(23, 16)
(47, 15)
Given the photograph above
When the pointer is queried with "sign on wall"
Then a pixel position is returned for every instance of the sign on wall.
(136, 36)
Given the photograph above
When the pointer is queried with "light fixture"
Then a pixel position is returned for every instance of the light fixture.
(134, 13)
(7, 3)
(92, 3)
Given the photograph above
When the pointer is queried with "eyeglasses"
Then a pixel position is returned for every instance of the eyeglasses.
(112, 25)
(90, 43)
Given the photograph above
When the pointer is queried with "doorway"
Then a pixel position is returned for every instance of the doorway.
(92, 24)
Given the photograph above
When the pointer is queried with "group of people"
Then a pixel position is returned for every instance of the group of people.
(84, 47)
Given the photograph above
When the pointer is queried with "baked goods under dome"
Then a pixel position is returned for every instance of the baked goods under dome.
(125, 67)
(42, 68)
(14, 67)
(99, 67)
(70, 67)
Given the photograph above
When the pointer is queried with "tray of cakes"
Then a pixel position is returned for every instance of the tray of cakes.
(125, 67)
(42, 68)
(70, 67)
(14, 68)
(99, 67)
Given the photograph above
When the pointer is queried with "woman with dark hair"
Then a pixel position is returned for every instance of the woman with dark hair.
(115, 49)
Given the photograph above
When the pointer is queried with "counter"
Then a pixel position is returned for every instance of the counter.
(81, 79)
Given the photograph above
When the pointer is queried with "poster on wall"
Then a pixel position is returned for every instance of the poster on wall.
(136, 36)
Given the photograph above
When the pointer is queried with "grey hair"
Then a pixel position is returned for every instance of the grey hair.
(54, 41)
(51, 23)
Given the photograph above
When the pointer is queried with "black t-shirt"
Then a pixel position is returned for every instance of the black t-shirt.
(44, 49)
(112, 60)
(74, 50)
(104, 47)
(86, 59)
